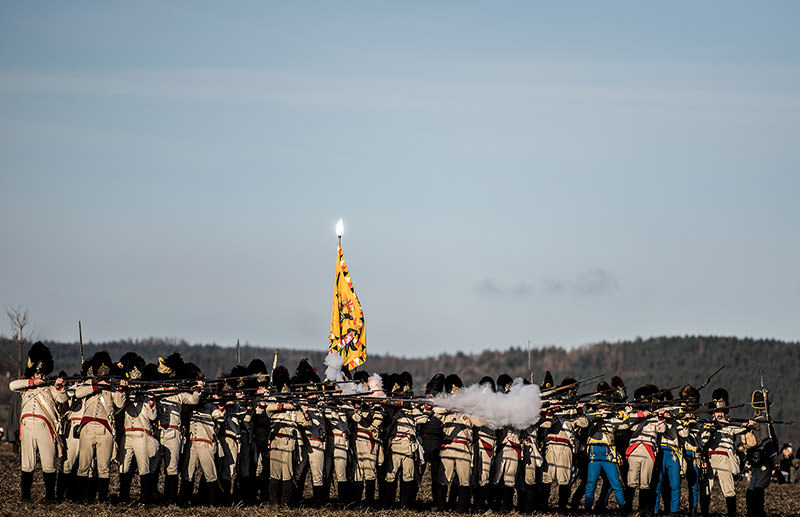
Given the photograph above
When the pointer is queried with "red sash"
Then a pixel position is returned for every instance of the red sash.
(647, 446)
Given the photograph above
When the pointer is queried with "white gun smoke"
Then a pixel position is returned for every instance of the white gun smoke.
(375, 384)
(519, 408)
(333, 372)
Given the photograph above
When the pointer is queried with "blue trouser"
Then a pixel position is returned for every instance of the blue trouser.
(668, 468)
(692, 478)
(611, 471)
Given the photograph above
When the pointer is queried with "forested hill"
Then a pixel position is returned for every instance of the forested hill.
(664, 361)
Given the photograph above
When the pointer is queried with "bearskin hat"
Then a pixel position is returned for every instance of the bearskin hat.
(504, 382)
(150, 372)
(132, 365)
(258, 370)
(621, 392)
(170, 365)
(645, 392)
(86, 368)
(435, 385)
(361, 376)
(61, 374)
(232, 380)
(386, 382)
(452, 383)
(101, 364)
(407, 382)
(280, 378)
(548, 381)
(572, 383)
(256, 367)
(395, 384)
(306, 373)
(690, 396)
(487, 381)
(719, 399)
(190, 371)
(603, 390)
(40, 360)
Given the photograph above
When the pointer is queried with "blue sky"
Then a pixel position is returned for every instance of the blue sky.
(508, 171)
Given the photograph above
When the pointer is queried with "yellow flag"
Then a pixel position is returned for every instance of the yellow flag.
(348, 335)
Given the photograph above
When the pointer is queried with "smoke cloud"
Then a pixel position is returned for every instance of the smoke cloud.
(334, 373)
(518, 408)
(375, 384)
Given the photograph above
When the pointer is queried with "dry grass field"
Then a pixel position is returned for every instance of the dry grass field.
(781, 500)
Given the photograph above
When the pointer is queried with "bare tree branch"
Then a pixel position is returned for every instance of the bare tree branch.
(19, 319)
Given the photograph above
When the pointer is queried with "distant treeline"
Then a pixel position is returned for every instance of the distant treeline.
(664, 361)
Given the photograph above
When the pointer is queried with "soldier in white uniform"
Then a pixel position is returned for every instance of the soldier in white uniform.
(169, 423)
(97, 429)
(39, 420)
(720, 436)
(137, 440)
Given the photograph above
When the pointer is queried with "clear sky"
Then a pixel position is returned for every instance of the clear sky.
(564, 172)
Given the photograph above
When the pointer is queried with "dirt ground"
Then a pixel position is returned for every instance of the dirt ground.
(783, 500)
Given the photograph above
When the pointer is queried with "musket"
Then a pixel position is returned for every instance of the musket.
(757, 421)
(714, 410)
(765, 394)
(710, 377)
(322, 383)
(80, 340)
(568, 386)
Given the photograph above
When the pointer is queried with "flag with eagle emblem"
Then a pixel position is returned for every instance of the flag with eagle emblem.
(348, 335)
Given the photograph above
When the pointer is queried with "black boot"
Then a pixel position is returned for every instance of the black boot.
(102, 490)
(529, 505)
(25, 486)
(508, 499)
(563, 497)
(91, 489)
(185, 495)
(275, 491)
(145, 490)
(287, 493)
(388, 494)
(439, 496)
(63, 485)
(171, 490)
(629, 492)
(225, 492)
(464, 495)
(730, 502)
(645, 502)
(342, 492)
(125, 487)
(479, 497)
(49, 486)
(408, 494)
(357, 492)
(318, 498)
(78, 489)
(705, 503)
(325, 492)
(520, 498)
(369, 493)
(211, 488)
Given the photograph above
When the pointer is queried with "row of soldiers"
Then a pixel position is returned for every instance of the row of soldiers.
(253, 437)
